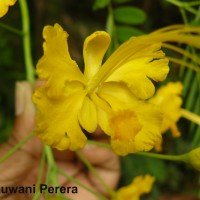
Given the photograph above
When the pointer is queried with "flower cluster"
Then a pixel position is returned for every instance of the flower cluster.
(112, 95)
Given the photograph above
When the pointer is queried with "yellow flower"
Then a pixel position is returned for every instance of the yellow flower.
(4, 4)
(169, 101)
(70, 100)
(139, 186)
(136, 129)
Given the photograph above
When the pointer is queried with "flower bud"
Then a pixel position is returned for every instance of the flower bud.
(194, 158)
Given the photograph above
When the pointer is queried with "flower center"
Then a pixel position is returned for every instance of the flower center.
(125, 125)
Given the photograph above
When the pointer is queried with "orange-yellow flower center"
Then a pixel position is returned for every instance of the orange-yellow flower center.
(125, 125)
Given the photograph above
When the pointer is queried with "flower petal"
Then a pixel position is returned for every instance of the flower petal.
(103, 121)
(140, 185)
(136, 73)
(171, 111)
(88, 109)
(116, 94)
(4, 4)
(146, 132)
(103, 110)
(57, 120)
(94, 49)
(151, 119)
(56, 65)
(143, 47)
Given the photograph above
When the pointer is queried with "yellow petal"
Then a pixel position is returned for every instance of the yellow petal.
(103, 110)
(171, 111)
(175, 132)
(103, 121)
(151, 119)
(136, 73)
(110, 96)
(126, 126)
(158, 146)
(143, 47)
(88, 115)
(56, 65)
(142, 131)
(115, 94)
(139, 186)
(57, 120)
(135, 125)
(94, 49)
(4, 4)
(132, 63)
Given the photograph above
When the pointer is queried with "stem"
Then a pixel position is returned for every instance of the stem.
(11, 29)
(110, 21)
(190, 116)
(51, 176)
(184, 16)
(111, 30)
(52, 171)
(64, 174)
(100, 144)
(15, 148)
(49, 155)
(36, 195)
(179, 158)
(186, 6)
(30, 72)
(95, 173)
(52, 166)
(41, 171)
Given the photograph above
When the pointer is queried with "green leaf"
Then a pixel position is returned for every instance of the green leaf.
(121, 1)
(129, 15)
(98, 4)
(125, 32)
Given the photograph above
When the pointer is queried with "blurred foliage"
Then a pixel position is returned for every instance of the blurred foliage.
(121, 19)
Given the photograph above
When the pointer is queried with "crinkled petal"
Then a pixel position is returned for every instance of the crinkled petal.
(151, 119)
(146, 130)
(140, 185)
(56, 65)
(4, 5)
(138, 72)
(116, 93)
(135, 55)
(72, 87)
(94, 49)
(57, 120)
(135, 125)
(171, 111)
(88, 115)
